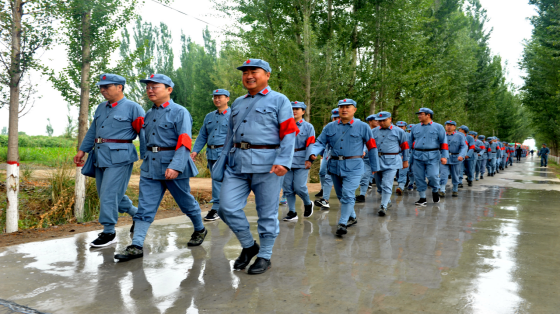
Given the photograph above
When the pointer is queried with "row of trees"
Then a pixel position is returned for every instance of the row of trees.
(541, 61)
(393, 55)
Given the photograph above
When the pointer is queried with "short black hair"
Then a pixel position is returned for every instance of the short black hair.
(166, 86)
(122, 87)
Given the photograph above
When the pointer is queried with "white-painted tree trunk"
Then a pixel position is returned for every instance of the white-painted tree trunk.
(12, 190)
(80, 194)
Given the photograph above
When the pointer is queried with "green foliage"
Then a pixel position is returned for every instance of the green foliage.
(50, 129)
(4, 131)
(40, 142)
(541, 61)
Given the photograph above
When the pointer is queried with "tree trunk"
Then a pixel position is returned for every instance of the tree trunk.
(12, 170)
(80, 186)
(307, 59)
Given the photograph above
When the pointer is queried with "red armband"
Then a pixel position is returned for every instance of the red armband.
(309, 141)
(288, 126)
(137, 124)
(184, 140)
(404, 146)
(371, 144)
(444, 146)
(471, 147)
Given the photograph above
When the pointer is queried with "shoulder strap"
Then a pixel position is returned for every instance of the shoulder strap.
(251, 106)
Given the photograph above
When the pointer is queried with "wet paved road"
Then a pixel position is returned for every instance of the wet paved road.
(494, 249)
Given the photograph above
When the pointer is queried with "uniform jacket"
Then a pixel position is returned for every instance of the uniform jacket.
(169, 125)
(486, 154)
(304, 140)
(271, 122)
(470, 146)
(391, 140)
(347, 140)
(544, 152)
(122, 120)
(213, 132)
(457, 147)
(429, 136)
(493, 150)
(480, 149)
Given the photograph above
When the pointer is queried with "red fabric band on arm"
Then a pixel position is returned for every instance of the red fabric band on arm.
(13, 163)
(471, 147)
(288, 126)
(371, 144)
(404, 146)
(309, 141)
(184, 140)
(444, 146)
(482, 147)
(137, 124)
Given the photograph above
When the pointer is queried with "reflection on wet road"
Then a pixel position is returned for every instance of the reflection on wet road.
(493, 249)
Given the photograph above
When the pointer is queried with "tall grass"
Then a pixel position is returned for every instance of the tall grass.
(40, 155)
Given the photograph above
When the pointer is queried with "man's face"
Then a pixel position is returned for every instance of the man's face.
(373, 123)
(298, 113)
(450, 128)
(385, 123)
(220, 100)
(157, 91)
(110, 91)
(334, 119)
(403, 128)
(346, 111)
(255, 79)
(423, 117)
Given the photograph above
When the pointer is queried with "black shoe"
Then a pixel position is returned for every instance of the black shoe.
(131, 252)
(361, 199)
(292, 216)
(104, 239)
(441, 194)
(455, 194)
(319, 194)
(382, 211)
(481, 176)
(132, 227)
(461, 185)
(308, 210)
(212, 215)
(341, 229)
(435, 197)
(421, 202)
(245, 257)
(351, 221)
(322, 203)
(197, 237)
(398, 191)
(469, 183)
(260, 265)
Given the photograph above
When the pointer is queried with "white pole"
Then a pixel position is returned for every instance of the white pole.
(80, 194)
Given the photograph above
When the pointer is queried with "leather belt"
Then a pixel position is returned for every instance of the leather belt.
(247, 146)
(215, 146)
(340, 158)
(101, 140)
(381, 153)
(300, 149)
(426, 150)
(158, 149)
(453, 153)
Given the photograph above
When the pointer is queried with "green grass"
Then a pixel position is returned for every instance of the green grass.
(40, 155)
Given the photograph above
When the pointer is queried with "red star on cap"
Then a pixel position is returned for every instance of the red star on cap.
(104, 77)
(216, 91)
(296, 102)
(344, 100)
(151, 76)
(248, 61)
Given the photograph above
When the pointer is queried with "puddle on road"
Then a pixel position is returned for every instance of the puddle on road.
(546, 182)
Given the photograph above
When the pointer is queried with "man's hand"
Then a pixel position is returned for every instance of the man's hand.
(443, 161)
(279, 170)
(307, 165)
(79, 157)
(363, 155)
(460, 158)
(171, 174)
(373, 172)
(193, 155)
(467, 157)
(312, 157)
(405, 164)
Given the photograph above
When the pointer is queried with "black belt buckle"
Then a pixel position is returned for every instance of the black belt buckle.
(155, 149)
(99, 140)
(245, 145)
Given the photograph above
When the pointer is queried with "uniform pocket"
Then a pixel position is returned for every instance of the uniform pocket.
(167, 131)
(121, 122)
(231, 157)
(356, 138)
(119, 152)
(265, 115)
(165, 161)
(263, 156)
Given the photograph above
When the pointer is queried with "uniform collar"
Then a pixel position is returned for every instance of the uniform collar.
(223, 113)
(431, 122)
(116, 103)
(300, 122)
(350, 122)
(390, 127)
(264, 92)
(451, 134)
(164, 105)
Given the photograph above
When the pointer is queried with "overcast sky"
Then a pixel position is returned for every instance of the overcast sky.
(508, 18)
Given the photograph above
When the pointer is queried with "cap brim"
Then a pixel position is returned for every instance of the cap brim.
(381, 118)
(107, 82)
(346, 104)
(249, 66)
(148, 80)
